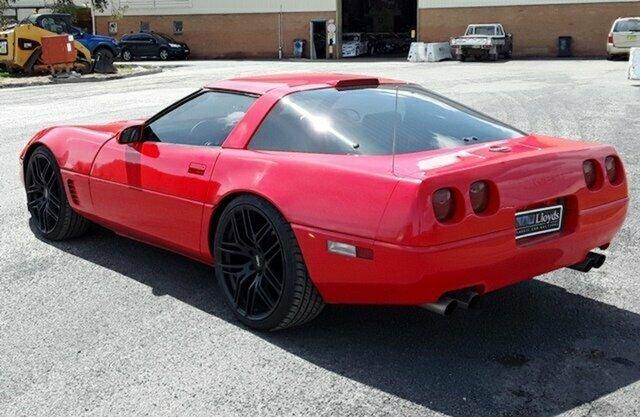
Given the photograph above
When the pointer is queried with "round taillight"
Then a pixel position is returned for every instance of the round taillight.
(479, 196)
(611, 166)
(443, 204)
(590, 174)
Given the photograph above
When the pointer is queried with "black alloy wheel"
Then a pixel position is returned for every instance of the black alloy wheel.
(252, 262)
(46, 200)
(260, 268)
(43, 193)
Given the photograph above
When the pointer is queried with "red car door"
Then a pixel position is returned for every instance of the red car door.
(155, 189)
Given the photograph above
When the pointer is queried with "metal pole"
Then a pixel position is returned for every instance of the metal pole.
(93, 18)
(280, 33)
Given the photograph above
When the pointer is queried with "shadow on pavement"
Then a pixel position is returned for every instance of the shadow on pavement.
(534, 349)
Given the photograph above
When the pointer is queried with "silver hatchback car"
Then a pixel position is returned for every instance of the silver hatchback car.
(624, 35)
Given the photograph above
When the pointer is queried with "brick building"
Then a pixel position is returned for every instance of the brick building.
(258, 28)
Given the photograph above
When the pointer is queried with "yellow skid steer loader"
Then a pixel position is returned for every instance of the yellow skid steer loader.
(21, 50)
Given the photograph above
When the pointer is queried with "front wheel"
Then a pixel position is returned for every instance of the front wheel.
(54, 219)
(104, 54)
(259, 267)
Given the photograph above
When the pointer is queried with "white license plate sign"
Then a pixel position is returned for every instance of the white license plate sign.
(4, 47)
(538, 221)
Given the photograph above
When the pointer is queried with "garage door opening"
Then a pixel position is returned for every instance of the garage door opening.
(318, 47)
(379, 28)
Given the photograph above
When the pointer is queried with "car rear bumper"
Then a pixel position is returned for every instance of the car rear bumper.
(416, 275)
(617, 50)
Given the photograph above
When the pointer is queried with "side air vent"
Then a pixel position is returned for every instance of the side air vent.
(73, 193)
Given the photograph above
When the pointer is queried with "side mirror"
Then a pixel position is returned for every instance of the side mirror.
(131, 134)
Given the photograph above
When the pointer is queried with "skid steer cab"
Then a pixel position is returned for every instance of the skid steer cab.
(36, 46)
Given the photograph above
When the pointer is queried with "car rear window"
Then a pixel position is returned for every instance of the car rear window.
(632, 25)
(482, 30)
(366, 120)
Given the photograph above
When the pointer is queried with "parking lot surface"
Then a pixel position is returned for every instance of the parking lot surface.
(103, 325)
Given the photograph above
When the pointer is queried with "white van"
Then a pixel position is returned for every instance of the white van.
(624, 35)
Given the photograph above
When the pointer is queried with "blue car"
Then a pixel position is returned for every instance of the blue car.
(99, 46)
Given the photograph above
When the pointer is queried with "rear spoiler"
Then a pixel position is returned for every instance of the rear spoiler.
(357, 82)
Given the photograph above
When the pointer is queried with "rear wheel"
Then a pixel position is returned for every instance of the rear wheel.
(260, 268)
(126, 55)
(164, 54)
(53, 217)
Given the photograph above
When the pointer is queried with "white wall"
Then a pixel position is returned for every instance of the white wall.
(177, 7)
(434, 4)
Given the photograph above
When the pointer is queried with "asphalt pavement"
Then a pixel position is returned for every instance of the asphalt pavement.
(103, 325)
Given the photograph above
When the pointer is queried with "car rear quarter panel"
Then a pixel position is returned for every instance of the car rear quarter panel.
(331, 192)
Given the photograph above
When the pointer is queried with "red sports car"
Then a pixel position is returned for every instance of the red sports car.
(309, 189)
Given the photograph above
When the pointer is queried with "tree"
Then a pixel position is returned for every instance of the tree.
(60, 5)
(64, 5)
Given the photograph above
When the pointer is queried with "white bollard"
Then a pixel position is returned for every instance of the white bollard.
(634, 64)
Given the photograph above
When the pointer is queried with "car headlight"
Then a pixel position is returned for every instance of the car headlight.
(175, 45)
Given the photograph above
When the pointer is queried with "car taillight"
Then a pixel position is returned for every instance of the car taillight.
(590, 174)
(610, 39)
(611, 166)
(479, 196)
(443, 204)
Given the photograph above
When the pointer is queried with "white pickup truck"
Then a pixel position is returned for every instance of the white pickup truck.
(488, 41)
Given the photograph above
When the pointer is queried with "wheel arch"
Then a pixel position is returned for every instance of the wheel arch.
(214, 219)
(103, 46)
(31, 148)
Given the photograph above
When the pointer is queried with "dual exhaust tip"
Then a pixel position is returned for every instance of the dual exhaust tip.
(446, 305)
(593, 260)
(471, 300)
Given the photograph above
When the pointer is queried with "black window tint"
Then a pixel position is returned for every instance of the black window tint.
(365, 120)
(205, 120)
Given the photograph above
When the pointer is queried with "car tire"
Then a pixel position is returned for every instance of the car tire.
(260, 269)
(53, 217)
(163, 55)
(126, 55)
(104, 53)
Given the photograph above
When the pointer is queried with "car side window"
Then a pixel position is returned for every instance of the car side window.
(205, 120)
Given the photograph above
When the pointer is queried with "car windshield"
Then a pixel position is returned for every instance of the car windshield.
(631, 25)
(366, 120)
(483, 30)
(351, 38)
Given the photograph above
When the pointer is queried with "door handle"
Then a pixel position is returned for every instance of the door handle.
(196, 168)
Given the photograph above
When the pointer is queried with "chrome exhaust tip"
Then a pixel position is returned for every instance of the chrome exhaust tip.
(444, 306)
